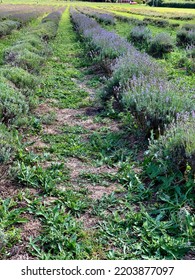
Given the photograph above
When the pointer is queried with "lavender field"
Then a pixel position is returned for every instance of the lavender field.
(97, 131)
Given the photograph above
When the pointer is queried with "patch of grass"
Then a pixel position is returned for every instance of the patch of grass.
(48, 118)
(101, 178)
(94, 82)
(10, 216)
(62, 237)
(103, 147)
(39, 178)
(110, 148)
(148, 230)
(67, 145)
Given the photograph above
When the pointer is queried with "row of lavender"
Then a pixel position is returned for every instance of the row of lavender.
(11, 20)
(23, 12)
(140, 85)
(101, 17)
(16, 22)
(19, 78)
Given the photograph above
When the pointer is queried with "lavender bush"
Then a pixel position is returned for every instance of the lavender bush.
(8, 146)
(140, 85)
(132, 64)
(186, 36)
(161, 44)
(156, 103)
(140, 35)
(26, 54)
(49, 26)
(156, 22)
(189, 61)
(189, 26)
(28, 60)
(104, 18)
(20, 78)
(13, 104)
(7, 26)
(176, 148)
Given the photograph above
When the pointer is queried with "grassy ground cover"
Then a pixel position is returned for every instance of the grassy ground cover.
(82, 185)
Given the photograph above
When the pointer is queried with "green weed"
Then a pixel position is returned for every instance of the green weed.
(10, 216)
(62, 236)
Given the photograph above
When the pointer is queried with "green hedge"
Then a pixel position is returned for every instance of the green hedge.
(178, 5)
(158, 3)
